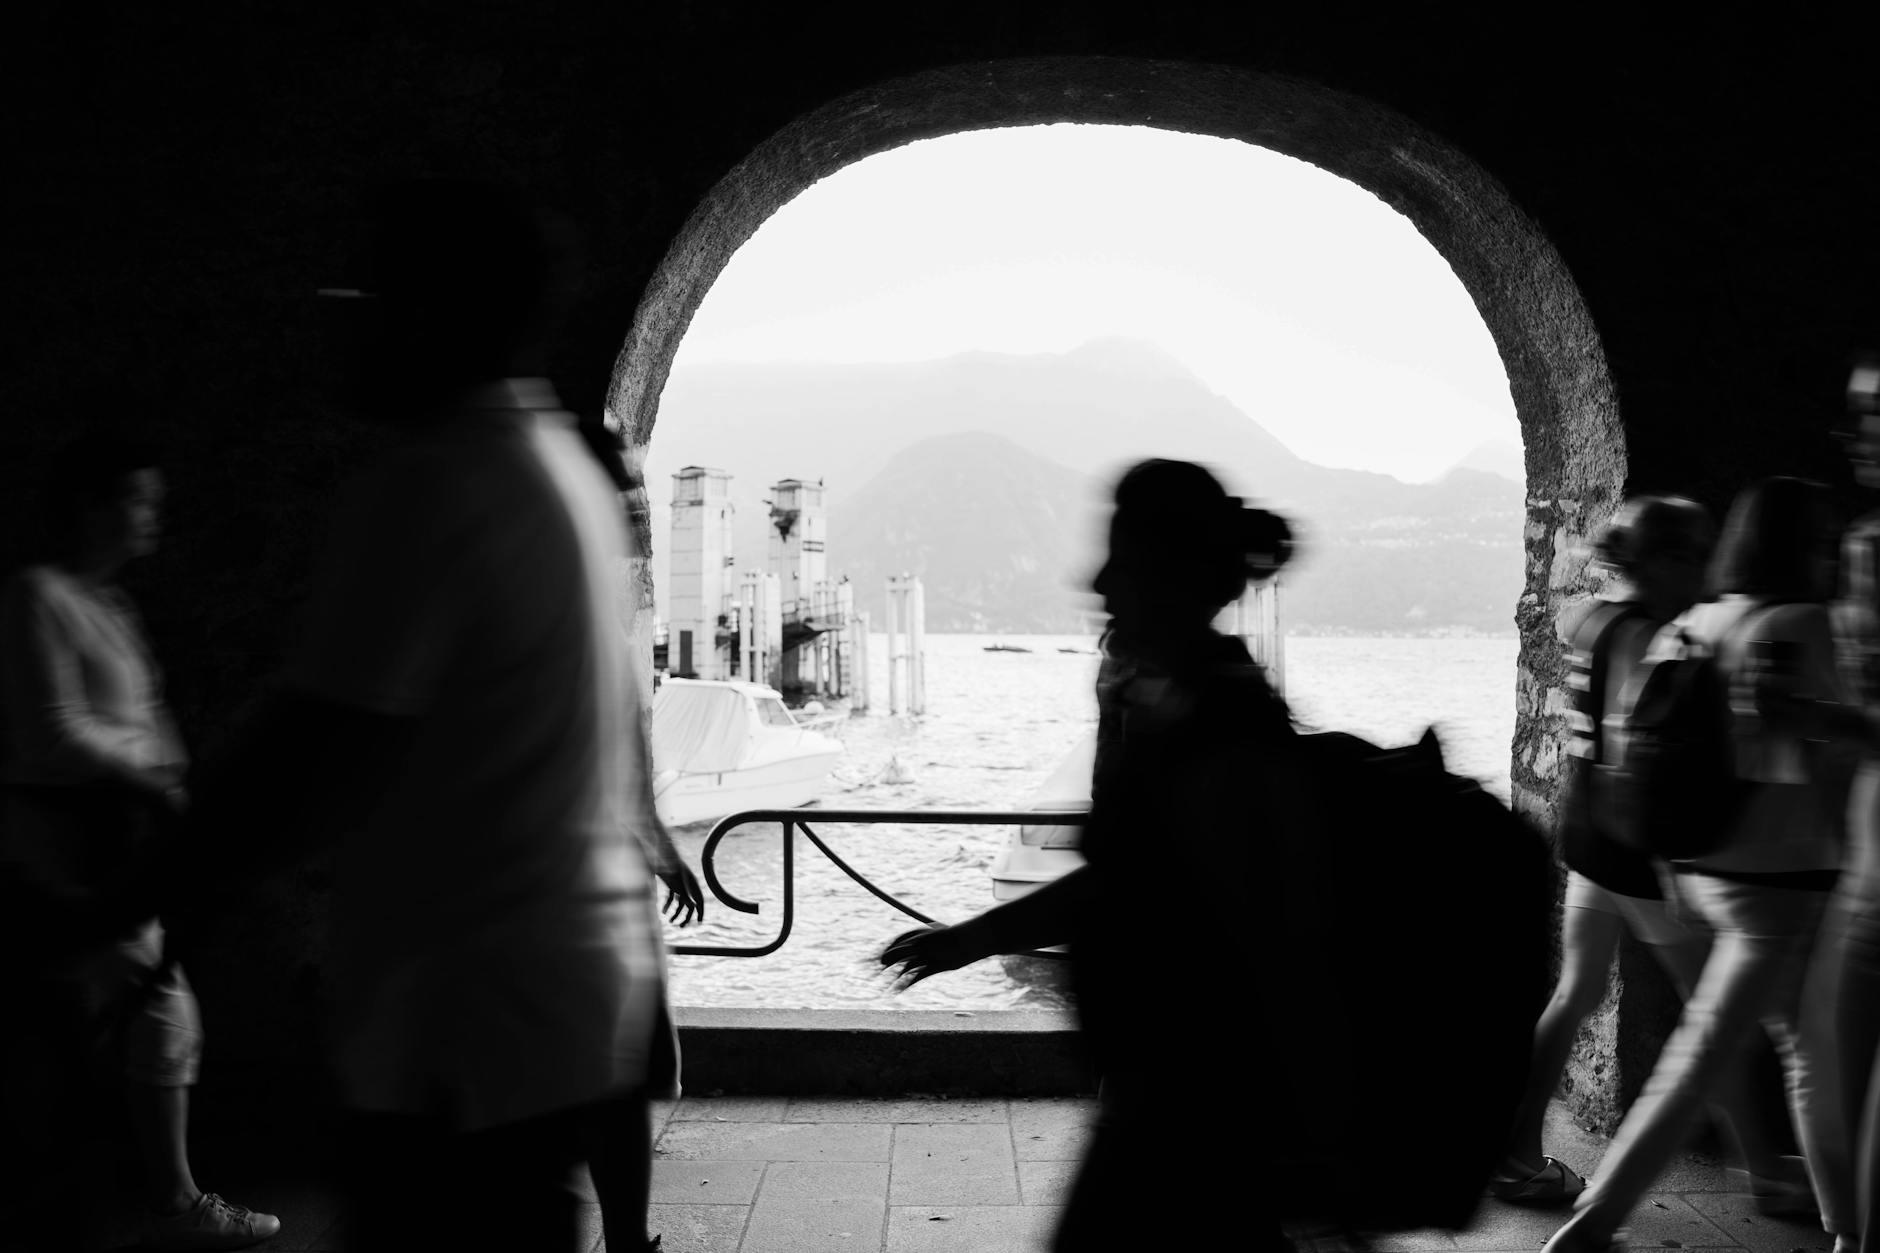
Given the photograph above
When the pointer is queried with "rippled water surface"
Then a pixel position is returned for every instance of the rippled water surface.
(996, 724)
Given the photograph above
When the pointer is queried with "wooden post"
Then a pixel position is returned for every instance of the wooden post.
(897, 601)
(917, 647)
(858, 646)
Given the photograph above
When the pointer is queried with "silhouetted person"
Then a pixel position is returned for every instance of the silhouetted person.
(464, 717)
(1763, 890)
(1189, 748)
(91, 761)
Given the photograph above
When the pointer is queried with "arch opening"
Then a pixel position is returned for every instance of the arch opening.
(1559, 382)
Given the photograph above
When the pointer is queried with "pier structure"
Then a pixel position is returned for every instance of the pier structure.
(857, 675)
(699, 626)
(815, 608)
(786, 623)
(759, 618)
(1255, 619)
(907, 645)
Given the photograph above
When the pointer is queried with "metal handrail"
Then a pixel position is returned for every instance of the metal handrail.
(791, 819)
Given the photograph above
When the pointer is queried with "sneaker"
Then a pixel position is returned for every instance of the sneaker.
(211, 1223)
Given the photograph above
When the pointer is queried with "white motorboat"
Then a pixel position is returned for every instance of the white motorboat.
(720, 746)
(1041, 852)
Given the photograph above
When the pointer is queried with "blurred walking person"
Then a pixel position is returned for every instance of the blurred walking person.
(92, 764)
(464, 718)
(1656, 548)
(1183, 714)
(1842, 1000)
(1762, 891)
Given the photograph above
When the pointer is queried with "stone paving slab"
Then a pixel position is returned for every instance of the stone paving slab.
(798, 1225)
(706, 1182)
(1735, 1215)
(698, 1228)
(953, 1164)
(1050, 1129)
(980, 1229)
(1499, 1225)
(1400, 1242)
(1045, 1183)
(737, 1109)
(911, 1109)
(1664, 1220)
(818, 1181)
(776, 1142)
(777, 1175)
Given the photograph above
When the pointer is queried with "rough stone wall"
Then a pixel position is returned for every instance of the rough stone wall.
(185, 177)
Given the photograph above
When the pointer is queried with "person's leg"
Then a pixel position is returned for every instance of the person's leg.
(1837, 1035)
(402, 1185)
(620, 1161)
(160, 1119)
(1867, 1164)
(1743, 1116)
(1739, 983)
(1589, 934)
(518, 1181)
(162, 1059)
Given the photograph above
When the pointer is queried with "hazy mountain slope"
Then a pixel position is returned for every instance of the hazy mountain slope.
(1006, 541)
(915, 481)
(998, 535)
(1502, 457)
(1092, 410)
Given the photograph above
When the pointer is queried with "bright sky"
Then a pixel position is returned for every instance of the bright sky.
(1301, 297)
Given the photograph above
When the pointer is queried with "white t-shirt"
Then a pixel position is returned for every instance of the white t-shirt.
(497, 949)
(82, 699)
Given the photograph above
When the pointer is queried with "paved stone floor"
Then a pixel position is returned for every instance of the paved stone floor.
(778, 1175)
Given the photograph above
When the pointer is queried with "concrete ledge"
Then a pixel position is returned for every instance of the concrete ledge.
(845, 1052)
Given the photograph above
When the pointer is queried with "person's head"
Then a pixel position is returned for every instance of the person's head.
(1778, 543)
(104, 501)
(468, 282)
(1660, 545)
(1862, 429)
(1181, 549)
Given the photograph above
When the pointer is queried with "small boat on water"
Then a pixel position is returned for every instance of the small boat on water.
(1041, 852)
(1006, 648)
(720, 746)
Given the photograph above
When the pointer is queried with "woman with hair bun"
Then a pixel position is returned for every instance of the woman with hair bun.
(1180, 705)
(1655, 549)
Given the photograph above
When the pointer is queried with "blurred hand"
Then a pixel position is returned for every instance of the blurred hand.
(924, 952)
(685, 899)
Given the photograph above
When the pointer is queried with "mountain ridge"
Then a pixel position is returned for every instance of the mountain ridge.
(1087, 414)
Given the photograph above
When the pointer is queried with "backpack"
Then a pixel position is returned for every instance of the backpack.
(1585, 845)
(1413, 1004)
(1675, 793)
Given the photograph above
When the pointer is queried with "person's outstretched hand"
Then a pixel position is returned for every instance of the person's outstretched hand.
(685, 899)
(923, 952)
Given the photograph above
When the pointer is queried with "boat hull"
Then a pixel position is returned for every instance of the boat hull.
(782, 784)
(1020, 868)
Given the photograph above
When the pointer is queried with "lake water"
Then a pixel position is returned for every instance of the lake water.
(996, 724)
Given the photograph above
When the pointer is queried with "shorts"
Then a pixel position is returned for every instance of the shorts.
(138, 1015)
(1648, 920)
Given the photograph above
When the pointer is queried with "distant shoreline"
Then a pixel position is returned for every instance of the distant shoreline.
(1345, 633)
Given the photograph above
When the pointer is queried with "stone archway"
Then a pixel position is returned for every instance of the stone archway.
(1562, 390)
